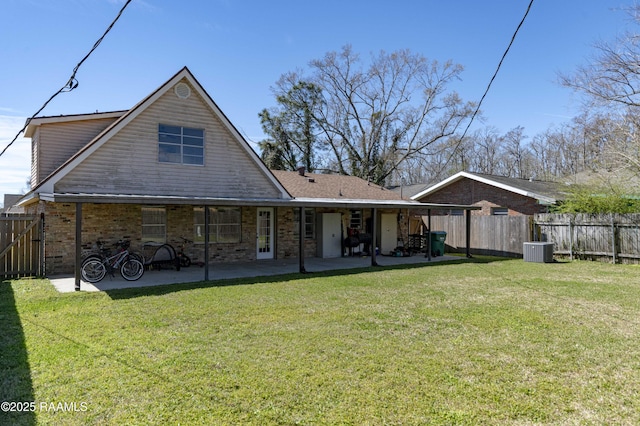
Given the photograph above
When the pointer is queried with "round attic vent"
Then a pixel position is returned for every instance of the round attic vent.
(182, 91)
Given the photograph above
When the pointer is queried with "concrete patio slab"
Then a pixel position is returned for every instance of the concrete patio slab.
(66, 284)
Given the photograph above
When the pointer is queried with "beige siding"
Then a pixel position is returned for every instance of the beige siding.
(55, 143)
(128, 162)
(34, 160)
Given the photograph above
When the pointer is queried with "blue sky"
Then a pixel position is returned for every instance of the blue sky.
(239, 49)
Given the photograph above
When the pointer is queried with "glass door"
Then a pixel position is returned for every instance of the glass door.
(265, 233)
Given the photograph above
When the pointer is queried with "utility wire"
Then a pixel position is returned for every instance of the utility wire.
(504, 55)
(72, 83)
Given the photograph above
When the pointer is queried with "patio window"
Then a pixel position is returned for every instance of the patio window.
(309, 223)
(180, 145)
(154, 224)
(356, 219)
(224, 224)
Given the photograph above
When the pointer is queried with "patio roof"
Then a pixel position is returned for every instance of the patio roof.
(265, 202)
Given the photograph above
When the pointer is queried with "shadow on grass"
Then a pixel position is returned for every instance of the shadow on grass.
(163, 289)
(15, 374)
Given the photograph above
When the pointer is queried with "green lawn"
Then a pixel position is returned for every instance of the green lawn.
(486, 341)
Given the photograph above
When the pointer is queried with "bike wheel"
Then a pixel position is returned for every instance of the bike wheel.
(185, 261)
(91, 257)
(93, 270)
(132, 269)
(137, 257)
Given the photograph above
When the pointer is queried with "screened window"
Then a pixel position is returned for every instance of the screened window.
(224, 224)
(180, 145)
(309, 223)
(154, 224)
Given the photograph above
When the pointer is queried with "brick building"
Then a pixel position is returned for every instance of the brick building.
(496, 195)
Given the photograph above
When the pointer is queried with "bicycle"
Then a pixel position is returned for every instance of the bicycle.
(184, 259)
(95, 266)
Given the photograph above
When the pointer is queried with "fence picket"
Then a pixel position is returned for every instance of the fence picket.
(589, 236)
(20, 246)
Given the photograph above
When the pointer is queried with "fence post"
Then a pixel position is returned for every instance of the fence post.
(613, 237)
(570, 239)
(41, 260)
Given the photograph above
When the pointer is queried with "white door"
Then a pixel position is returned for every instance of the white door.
(265, 233)
(388, 233)
(330, 235)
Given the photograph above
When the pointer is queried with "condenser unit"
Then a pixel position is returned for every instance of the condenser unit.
(538, 252)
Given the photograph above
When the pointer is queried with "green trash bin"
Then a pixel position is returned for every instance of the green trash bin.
(437, 242)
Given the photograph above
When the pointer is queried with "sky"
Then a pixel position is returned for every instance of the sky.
(238, 49)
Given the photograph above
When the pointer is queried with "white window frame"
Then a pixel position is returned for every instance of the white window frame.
(187, 144)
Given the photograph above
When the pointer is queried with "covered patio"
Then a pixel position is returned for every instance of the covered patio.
(226, 271)
(300, 265)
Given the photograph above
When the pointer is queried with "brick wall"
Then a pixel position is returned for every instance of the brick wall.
(467, 191)
(112, 222)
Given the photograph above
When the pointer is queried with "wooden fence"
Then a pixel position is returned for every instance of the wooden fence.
(612, 237)
(492, 235)
(21, 246)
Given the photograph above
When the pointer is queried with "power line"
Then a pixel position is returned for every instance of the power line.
(72, 83)
(504, 55)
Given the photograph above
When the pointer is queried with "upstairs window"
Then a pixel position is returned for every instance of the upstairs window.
(180, 145)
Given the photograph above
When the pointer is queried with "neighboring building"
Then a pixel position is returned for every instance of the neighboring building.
(496, 195)
(154, 172)
(10, 201)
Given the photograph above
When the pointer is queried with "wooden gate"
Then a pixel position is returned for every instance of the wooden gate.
(21, 246)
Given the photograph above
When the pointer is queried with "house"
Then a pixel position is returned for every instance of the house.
(174, 167)
(495, 195)
(10, 201)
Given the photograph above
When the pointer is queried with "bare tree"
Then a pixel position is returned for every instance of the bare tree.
(374, 118)
(610, 82)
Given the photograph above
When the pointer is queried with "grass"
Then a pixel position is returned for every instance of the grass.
(487, 341)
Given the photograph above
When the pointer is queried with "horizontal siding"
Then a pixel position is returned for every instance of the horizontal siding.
(57, 142)
(34, 160)
(128, 162)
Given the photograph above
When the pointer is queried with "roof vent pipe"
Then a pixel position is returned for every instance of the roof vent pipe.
(301, 170)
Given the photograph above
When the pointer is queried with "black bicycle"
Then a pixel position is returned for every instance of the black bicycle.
(95, 266)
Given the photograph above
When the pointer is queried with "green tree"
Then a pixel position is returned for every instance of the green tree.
(291, 127)
(584, 199)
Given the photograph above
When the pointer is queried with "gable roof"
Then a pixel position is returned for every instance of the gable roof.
(47, 184)
(544, 192)
(331, 186)
(35, 122)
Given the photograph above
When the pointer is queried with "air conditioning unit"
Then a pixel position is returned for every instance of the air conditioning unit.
(538, 252)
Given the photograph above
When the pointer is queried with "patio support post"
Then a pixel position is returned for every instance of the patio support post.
(429, 235)
(78, 245)
(374, 236)
(301, 236)
(206, 243)
(468, 232)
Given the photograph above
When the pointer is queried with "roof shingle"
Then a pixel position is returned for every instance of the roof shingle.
(314, 185)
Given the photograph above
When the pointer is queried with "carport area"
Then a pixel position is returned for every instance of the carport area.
(226, 271)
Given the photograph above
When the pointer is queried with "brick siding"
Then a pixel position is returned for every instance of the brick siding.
(467, 191)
